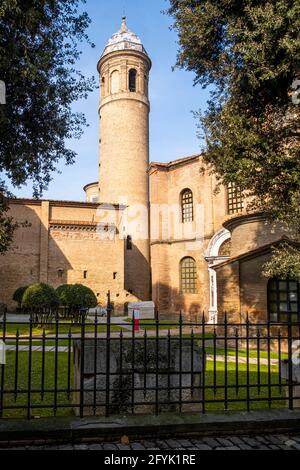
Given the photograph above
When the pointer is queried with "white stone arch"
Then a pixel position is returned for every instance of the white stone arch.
(216, 242)
(212, 257)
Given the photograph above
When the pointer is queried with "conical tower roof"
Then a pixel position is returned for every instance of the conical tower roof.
(124, 39)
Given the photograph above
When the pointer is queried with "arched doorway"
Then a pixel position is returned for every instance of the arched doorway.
(218, 250)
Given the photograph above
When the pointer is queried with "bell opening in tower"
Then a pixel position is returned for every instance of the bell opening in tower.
(132, 80)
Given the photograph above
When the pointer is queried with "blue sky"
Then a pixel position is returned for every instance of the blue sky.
(172, 94)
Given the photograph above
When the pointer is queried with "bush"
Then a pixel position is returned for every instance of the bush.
(18, 295)
(76, 296)
(39, 297)
(61, 291)
(75, 299)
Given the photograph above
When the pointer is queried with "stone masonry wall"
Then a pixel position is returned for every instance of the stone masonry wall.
(62, 251)
(171, 240)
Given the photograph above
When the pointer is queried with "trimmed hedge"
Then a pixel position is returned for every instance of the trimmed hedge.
(40, 296)
(18, 295)
(76, 296)
(61, 292)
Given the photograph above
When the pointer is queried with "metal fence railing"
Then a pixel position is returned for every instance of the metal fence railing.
(105, 366)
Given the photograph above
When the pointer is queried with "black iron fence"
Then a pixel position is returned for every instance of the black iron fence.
(101, 366)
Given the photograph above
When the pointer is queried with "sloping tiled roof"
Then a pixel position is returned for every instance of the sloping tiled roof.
(179, 161)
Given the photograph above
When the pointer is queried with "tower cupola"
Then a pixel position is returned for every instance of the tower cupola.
(123, 40)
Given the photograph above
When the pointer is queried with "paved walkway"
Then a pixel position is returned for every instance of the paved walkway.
(260, 442)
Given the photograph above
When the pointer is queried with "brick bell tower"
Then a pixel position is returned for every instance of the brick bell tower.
(124, 149)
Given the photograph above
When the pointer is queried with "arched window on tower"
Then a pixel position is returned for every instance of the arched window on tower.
(132, 80)
(115, 82)
(103, 87)
(188, 276)
(187, 209)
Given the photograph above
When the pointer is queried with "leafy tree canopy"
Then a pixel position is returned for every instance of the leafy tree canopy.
(7, 225)
(18, 294)
(284, 263)
(76, 296)
(38, 54)
(249, 52)
(40, 296)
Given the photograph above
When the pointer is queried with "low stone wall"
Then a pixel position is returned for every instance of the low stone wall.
(140, 379)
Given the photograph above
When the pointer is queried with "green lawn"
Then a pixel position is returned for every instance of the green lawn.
(149, 325)
(36, 383)
(260, 394)
(253, 353)
(63, 328)
(215, 397)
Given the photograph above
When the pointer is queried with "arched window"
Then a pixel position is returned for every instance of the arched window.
(225, 248)
(132, 80)
(283, 300)
(188, 276)
(115, 82)
(187, 206)
(103, 87)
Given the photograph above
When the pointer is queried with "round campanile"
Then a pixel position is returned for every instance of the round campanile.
(124, 148)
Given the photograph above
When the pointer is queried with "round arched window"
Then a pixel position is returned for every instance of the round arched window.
(132, 80)
(187, 208)
(115, 82)
(188, 276)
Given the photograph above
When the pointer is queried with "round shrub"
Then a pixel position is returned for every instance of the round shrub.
(61, 291)
(40, 296)
(77, 296)
(18, 295)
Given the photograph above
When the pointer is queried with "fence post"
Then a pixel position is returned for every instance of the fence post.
(82, 366)
(29, 368)
(108, 325)
(180, 361)
(225, 362)
(157, 366)
(2, 367)
(56, 360)
(290, 363)
(248, 362)
(203, 364)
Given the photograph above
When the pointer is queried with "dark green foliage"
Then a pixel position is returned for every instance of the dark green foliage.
(61, 291)
(249, 52)
(77, 296)
(38, 54)
(39, 297)
(18, 295)
(7, 225)
(284, 263)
